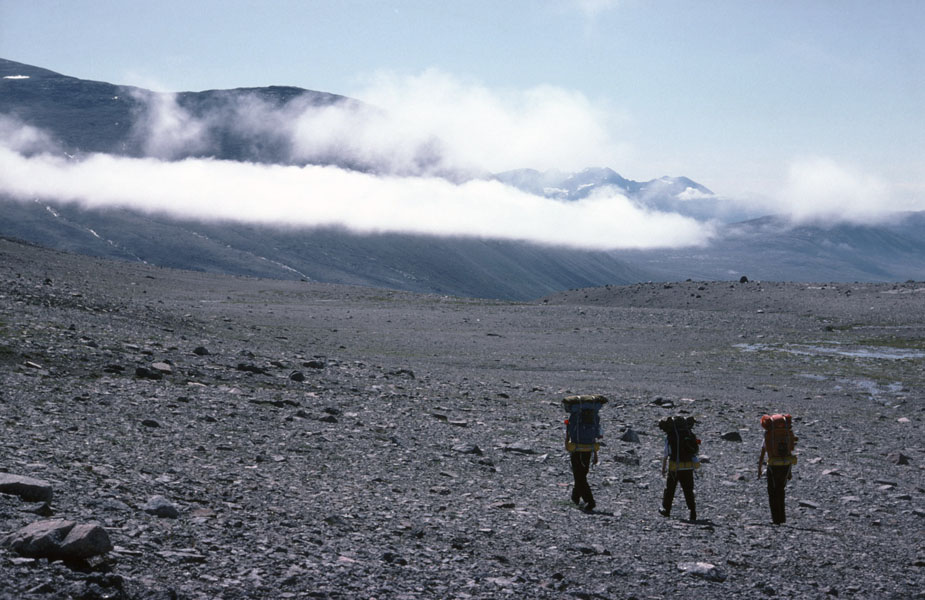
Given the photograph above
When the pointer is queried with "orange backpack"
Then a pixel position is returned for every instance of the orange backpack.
(779, 439)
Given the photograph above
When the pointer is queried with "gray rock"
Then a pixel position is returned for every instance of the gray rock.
(519, 448)
(161, 507)
(297, 376)
(201, 351)
(27, 488)
(59, 539)
(162, 367)
(42, 509)
(467, 449)
(703, 570)
(630, 436)
(627, 459)
(145, 373)
(85, 540)
(732, 436)
(898, 458)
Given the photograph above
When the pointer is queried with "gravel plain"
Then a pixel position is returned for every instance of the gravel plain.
(323, 441)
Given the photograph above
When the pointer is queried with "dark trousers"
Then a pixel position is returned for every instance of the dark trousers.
(686, 478)
(777, 482)
(581, 462)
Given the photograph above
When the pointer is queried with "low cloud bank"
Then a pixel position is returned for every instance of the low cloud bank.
(411, 158)
(819, 190)
(315, 196)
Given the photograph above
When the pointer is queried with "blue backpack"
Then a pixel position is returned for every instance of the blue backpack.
(583, 425)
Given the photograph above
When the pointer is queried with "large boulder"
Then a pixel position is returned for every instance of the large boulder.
(59, 539)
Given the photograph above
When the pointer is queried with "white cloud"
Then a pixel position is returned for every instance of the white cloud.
(427, 124)
(819, 190)
(544, 127)
(315, 196)
(23, 138)
(166, 130)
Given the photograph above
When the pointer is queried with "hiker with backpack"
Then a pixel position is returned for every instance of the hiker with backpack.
(582, 440)
(778, 445)
(680, 456)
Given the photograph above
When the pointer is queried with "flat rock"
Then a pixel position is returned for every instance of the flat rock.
(704, 570)
(519, 448)
(27, 488)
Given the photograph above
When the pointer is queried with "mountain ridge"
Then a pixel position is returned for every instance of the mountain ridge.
(85, 117)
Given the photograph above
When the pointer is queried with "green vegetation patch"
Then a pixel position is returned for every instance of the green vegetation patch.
(895, 342)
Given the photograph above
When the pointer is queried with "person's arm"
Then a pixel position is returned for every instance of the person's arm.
(761, 460)
(665, 457)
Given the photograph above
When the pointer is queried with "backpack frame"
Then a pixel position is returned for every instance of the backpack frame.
(583, 424)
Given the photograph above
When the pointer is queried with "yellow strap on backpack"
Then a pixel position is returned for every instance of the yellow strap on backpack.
(573, 447)
(683, 466)
(782, 461)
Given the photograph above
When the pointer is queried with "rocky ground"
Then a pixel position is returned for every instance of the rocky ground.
(244, 438)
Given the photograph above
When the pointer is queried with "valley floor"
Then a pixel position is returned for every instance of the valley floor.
(324, 441)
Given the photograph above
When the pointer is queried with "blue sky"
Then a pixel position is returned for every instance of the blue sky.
(748, 98)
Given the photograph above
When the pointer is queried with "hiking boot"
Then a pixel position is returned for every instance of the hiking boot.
(664, 512)
(693, 516)
(590, 506)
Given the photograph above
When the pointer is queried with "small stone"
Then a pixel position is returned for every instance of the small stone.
(703, 570)
(201, 351)
(145, 373)
(519, 448)
(732, 436)
(42, 509)
(630, 436)
(150, 423)
(898, 458)
(297, 376)
(313, 364)
(467, 449)
(808, 504)
(162, 368)
(627, 459)
(161, 507)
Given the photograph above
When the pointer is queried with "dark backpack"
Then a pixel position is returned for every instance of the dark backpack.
(682, 443)
(584, 423)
